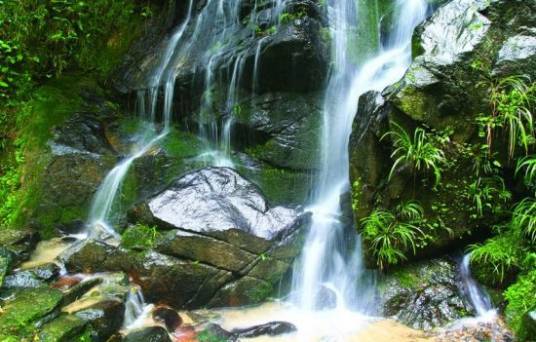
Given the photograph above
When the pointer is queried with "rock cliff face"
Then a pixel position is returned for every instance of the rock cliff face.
(458, 53)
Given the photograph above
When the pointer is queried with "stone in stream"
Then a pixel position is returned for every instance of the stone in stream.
(150, 334)
(167, 316)
(424, 295)
(32, 277)
(268, 329)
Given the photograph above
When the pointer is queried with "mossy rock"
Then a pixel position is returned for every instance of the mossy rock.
(6, 259)
(29, 306)
(65, 328)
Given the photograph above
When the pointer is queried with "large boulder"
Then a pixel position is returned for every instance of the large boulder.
(219, 243)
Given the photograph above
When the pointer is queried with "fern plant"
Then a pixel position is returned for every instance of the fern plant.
(524, 218)
(392, 235)
(418, 151)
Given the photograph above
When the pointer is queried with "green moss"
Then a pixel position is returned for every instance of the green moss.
(521, 298)
(179, 144)
(139, 237)
(49, 106)
(260, 292)
(280, 186)
(64, 328)
(208, 336)
(29, 305)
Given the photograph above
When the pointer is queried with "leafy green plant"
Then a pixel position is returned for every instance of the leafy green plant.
(488, 193)
(418, 151)
(510, 100)
(392, 235)
(528, 164)
(524, 218)
(497, 259)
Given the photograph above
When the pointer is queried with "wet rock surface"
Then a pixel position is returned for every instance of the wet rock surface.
(214, 200)
(268, 329)
(151, 334)
(227, 269)
(424, 296)
(454, 50)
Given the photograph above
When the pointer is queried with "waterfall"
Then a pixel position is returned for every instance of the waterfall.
(100, 213)
(331, 264)
(136, 310)
(478, 297)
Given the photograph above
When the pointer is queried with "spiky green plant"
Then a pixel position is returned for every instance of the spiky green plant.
(392, 235)
(524, 218)
(528, 165)
(510, 100)
(418, 151)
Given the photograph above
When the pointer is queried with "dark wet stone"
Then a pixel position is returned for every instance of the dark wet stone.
(169, 317)
(150, 334)
(105, 318)
(6, 259)
(77, 290)
(269, 329)
(424, 295)
(20, 243)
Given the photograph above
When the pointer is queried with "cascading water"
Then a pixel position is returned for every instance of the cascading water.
(100, 212)
(331, 261)
(478, 297)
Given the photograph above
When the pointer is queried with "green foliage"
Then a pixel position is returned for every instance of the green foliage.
(391, 235)
(511, 99)
(528, 164)
(497, 259)
(418, 151)
(487, 193)
(524, 218)
(521, 298)
(41, 39)
(139, 237)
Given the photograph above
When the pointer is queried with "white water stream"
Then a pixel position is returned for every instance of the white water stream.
(478, 297)
(331, 263)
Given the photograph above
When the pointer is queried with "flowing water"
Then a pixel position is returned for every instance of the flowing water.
(478, 297)
(330, 284)
(331, 263)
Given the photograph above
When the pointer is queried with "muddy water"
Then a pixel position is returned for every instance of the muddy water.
(46, 252)
(319, 326)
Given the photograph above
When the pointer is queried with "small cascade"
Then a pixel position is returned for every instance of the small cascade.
(136, 310)
(478, 297)
(100, 220)
(331, 263)
(211, 45)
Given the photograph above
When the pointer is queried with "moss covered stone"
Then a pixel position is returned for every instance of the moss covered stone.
(29, 306)
(65, 328)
